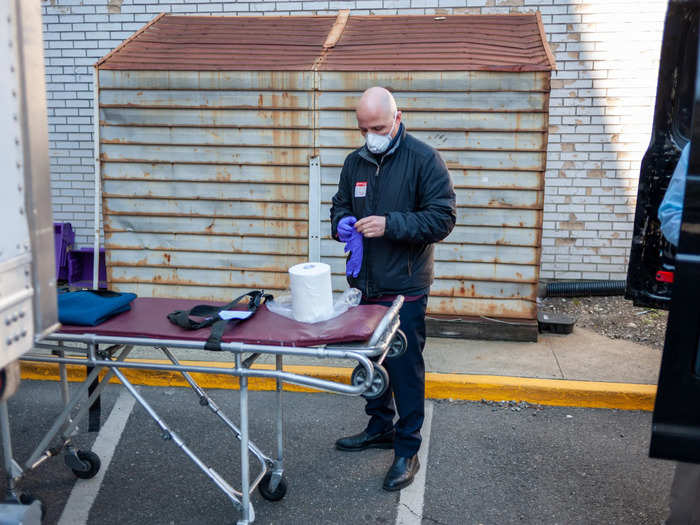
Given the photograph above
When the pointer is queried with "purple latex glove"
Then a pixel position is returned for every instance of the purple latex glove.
(346, 227)
(353, 244)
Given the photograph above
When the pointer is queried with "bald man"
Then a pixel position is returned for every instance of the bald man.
(396, 192)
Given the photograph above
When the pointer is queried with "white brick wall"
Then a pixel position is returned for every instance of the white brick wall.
(601, 106)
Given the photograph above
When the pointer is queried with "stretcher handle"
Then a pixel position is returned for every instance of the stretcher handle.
(389, 316)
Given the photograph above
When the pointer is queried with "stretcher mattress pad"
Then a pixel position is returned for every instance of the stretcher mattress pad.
(148, 318)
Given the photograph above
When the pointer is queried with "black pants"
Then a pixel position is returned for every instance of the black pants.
(407, 385)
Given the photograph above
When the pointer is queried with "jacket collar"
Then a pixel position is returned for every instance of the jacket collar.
(369, 156)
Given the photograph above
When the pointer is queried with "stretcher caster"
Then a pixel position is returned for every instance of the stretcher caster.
(84, 463)
(398, 345)
(272, 495)
(379, 384)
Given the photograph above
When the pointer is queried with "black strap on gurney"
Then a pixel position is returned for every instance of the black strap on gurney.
(210, 315)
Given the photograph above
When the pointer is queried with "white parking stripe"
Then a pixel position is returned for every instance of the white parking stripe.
(85, 491)
(410, 510)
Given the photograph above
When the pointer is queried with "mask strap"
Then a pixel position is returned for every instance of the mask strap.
(393, 123)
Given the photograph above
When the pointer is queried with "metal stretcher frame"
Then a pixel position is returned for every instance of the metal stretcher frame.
(112, 358)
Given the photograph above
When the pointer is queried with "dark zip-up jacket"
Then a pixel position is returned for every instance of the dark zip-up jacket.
(411, 187)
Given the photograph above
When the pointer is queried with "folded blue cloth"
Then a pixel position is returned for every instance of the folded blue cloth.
(90, 308)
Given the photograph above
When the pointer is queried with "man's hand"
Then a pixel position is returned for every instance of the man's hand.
(372, 226)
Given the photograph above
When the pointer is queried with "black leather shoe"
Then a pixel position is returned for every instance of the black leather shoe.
(363, 441)
(401, 473)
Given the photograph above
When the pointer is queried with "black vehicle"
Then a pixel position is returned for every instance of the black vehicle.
(657, 272)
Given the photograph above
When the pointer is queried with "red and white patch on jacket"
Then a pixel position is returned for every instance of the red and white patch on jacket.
(360, 189)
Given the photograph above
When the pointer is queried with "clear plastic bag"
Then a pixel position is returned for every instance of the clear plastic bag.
(282, 305)
(671, 207)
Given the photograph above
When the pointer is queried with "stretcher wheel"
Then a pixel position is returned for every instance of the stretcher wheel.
(380, 381)
(398, 345)
(91, 461)
(25, 498)
(275, 495)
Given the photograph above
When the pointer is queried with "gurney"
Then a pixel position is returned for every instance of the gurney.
(365, 335)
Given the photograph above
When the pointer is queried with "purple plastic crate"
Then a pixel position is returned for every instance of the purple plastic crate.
(63, 237)
(80, 268)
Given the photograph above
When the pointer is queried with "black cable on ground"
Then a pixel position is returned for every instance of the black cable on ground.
(585, 288)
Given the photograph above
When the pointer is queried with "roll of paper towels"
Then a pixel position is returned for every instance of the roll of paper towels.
(312, 294)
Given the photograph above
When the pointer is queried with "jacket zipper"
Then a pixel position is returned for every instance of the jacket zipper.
(376, 174)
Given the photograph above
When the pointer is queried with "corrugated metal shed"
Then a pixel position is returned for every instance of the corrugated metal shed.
(222, 138)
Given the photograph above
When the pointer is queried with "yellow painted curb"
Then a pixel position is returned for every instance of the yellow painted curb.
(555, 392)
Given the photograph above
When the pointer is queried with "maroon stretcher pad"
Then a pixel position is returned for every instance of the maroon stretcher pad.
(148, 318)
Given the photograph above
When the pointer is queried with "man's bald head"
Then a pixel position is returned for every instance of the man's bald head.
(376, 112)
(377, 100)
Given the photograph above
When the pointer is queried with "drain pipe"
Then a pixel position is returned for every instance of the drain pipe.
(98, 180)
(585, 288)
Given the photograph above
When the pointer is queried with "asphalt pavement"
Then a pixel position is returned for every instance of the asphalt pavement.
(485, 463)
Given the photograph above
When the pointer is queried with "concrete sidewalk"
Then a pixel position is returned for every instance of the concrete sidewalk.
(579, 369)
(582, 356)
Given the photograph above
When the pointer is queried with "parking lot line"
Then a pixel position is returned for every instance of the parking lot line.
(410, 511)
(85, 491)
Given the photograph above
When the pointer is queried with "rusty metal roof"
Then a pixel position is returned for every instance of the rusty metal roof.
(223, 43)
(440, 43)
(356, 43)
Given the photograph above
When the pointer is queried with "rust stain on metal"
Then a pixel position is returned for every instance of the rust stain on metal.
(502, 203)
(514, 308)
(285, 213)
(463, 292)
(295, 247)
(278, 281)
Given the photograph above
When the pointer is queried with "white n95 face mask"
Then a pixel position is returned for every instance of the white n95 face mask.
(379, 143)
